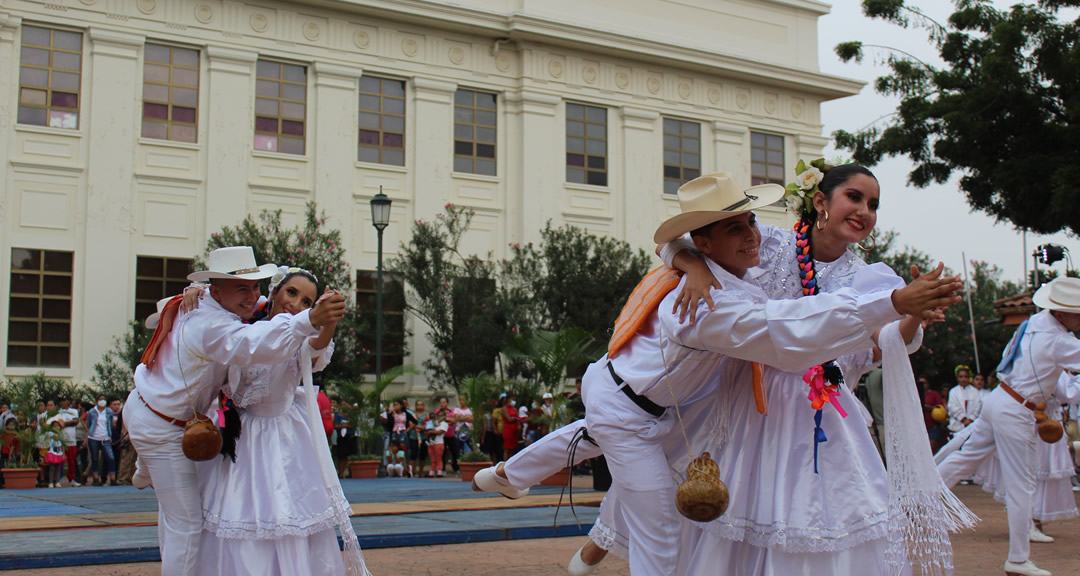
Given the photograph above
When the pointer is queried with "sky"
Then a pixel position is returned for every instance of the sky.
(935, 220)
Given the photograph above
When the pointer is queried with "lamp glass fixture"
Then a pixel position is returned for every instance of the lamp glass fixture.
(380, 210)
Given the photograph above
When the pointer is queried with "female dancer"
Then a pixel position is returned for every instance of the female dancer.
(262, 514)
(799, 505)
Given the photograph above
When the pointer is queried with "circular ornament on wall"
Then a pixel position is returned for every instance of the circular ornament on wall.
(259, 22)
(409, 47)
(555, 68)
(684, 91)
(456, 55)
(502, 62)
(360, 39)
(146, 6)
(204, 13)
(653, 85)
(742, 101)
(312, 31)
(86, 2)
(770, 106)
(714, 95)
(622, 80)
(796, 110)
(589, 74)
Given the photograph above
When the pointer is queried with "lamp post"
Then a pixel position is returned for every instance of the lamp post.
(380, 218)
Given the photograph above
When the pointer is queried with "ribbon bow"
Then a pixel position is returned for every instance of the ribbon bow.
(822, 392)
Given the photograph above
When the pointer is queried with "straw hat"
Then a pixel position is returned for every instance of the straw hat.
(713, 197)
(233, 262)
(1060, 294)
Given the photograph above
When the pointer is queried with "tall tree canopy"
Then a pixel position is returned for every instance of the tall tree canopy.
(1001, 111)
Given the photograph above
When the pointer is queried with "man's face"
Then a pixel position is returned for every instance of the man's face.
(40, 407)
(115, 406)
(1070, 320)
(50, 405)
(733, 243)
(64, 403)
(236, 296)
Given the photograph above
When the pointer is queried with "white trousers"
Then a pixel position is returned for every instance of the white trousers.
(547, 456)
(631, 440)
(175, 485)
(1006, 428)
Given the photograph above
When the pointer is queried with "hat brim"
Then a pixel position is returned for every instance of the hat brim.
(151, 321)
(1041, 298)
(680, 224)
(264, 271)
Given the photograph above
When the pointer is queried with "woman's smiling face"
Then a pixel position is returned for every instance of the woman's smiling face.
(294, 296)
(852, 209)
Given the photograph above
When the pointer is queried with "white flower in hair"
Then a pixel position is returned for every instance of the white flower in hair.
(809, 178)
(794, 204)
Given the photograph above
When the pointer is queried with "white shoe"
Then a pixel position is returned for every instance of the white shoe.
(51, 485)
(1036, 535)
(1026, 569)
(75, 483)
(141, 479)
(487, 480)
(578, 567)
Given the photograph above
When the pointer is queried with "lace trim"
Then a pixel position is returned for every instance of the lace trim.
(249, 385)
(798, 540)
(1055, 473)
(1060, 515)
(308, 526)
(605, 537)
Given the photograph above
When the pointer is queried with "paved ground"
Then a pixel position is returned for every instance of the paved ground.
(978, 553)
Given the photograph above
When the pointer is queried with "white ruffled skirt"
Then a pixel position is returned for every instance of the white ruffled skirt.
(268, 512)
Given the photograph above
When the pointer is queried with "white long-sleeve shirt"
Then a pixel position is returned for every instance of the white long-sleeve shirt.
(965, 402)
(1046, 350)
(202, 345)
(786, 334)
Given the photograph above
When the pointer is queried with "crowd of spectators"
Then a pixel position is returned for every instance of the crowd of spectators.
(76, 445)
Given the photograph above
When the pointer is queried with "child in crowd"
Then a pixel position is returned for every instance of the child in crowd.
(54, 456)
(395, 458)
(435, 428)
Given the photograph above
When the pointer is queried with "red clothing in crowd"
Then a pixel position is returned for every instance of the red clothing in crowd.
(932, 398)
(326, 412)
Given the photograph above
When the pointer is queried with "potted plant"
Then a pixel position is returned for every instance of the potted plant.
(21, 470)
(472, 463)
(364, 465)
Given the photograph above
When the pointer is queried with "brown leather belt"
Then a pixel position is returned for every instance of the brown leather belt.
(1008, 390)
(169, 419)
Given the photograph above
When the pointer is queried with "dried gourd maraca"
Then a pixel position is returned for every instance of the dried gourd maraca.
(1050, 431)
(702, 496)
(202, 439)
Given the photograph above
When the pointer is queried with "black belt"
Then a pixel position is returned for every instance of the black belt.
(642, 402)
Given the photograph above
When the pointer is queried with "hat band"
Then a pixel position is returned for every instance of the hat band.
(1051, 298)
(746, 200)
(244, 271)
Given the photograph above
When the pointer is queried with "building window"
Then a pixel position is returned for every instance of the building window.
(39, 326)
(586, 144)
(280, 107)
(393, 317)
(170, 93)
(766, 159)
(50, 74)
(682, 153)
(382, 121)
(156, 278)
(474, 132)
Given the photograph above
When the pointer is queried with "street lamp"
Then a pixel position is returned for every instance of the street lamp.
(380, 218)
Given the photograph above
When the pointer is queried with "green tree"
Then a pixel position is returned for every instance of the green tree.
(1001, 111)
(455, 296)
(313, 247)
(114, 376)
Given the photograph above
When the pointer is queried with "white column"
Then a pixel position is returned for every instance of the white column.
(230, 134)
(9, 26)
(112, 122)
(433, 141)
(807, 147)
(731, 150)
(642, 197)
(537, 170)
(335, 110)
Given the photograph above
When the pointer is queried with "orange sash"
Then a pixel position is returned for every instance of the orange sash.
(165, 322)
(643, 302)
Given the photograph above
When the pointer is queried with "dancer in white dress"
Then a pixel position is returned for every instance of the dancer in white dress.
(274, 510)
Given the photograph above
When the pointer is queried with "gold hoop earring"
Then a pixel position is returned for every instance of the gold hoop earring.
(873, 244)
(819, 225)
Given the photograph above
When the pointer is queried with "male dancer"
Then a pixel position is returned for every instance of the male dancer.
(182, 371)
(1039, 351)
(665, 364)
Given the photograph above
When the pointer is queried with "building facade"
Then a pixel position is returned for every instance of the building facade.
(130, 130)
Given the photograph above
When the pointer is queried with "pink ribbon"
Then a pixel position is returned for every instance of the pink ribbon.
(822, 391)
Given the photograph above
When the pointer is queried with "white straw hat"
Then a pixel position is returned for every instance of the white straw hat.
(1060, 294)
(152, 320)
(712, 197)
(233, 262)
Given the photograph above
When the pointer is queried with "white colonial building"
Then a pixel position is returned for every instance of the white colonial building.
(130, 130)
